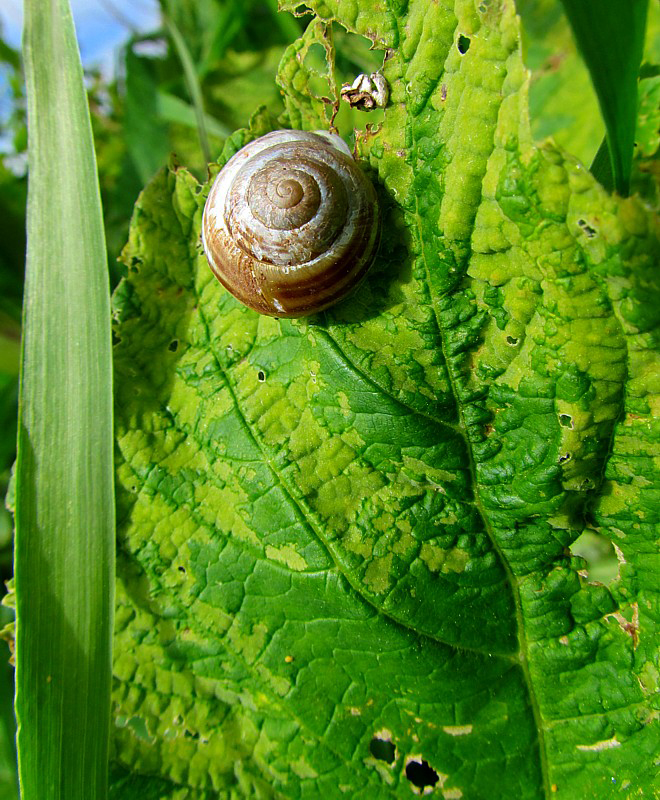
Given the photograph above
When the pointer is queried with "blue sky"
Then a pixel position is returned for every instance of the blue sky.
(101, 25)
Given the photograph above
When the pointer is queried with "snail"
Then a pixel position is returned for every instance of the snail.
(291, 223)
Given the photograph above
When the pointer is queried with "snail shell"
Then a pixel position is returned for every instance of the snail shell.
(291, 223)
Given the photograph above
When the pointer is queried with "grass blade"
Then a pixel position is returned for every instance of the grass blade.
(192, 82)
(64, 558)
(171, 108)
(610, 36)
(601, 166)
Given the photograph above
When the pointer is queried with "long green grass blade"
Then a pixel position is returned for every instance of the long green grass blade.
(610, 35)
(192, 82)
(64, 561)
(173, 109)
(601, 166)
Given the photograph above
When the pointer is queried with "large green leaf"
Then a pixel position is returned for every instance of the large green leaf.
(344, 541)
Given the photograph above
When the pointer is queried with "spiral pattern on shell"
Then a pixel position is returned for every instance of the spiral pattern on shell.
(291, 223)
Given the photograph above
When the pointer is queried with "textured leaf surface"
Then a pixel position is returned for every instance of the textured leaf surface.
(351, 530)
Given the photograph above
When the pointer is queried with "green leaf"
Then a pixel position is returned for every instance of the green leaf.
(125, 786)
(172, 109)
(610, 35)
(344, 542)
(8, 55)
(562, 101)
(8, 773)
(64, 557)
(12, 256)
(298, 78)
(146, 134)
(10, 336)
(648, 124)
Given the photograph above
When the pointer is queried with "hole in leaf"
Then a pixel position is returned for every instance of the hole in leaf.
(139, 728)
(182, 570)
(588, 230)
(563, 459)
(421, 774)
(463, 44)
(315, 64)
(382, 749)
(598, 551)
(355, 55)
(173, 346)
(566, 420)
(512, 340)
(261, 376)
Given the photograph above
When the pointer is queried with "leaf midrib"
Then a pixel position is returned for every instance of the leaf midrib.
(462, 431)
(309, 523)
